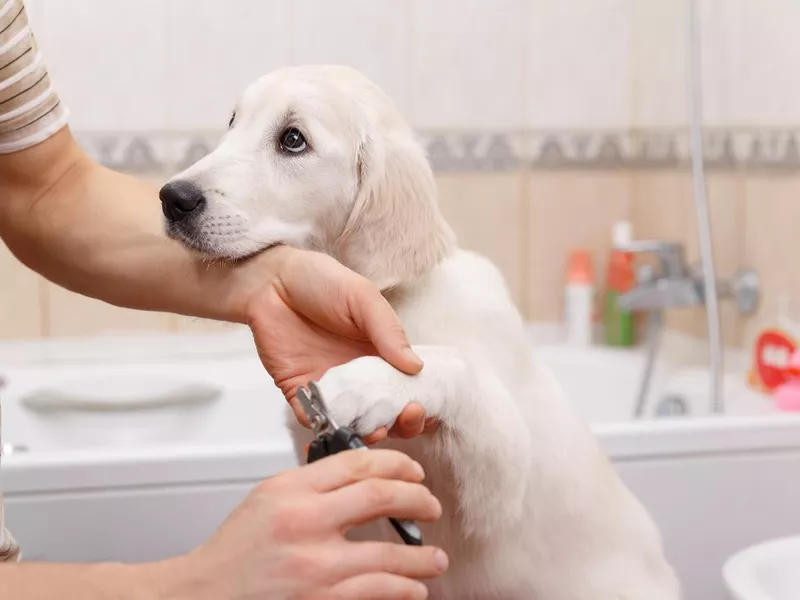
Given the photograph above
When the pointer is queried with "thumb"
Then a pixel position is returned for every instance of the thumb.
(373, 314)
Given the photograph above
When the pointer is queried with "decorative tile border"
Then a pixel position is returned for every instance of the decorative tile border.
(723, 149)
(465, 152)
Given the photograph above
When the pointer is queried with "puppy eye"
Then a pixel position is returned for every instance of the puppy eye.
(293, 141)
(230, 123)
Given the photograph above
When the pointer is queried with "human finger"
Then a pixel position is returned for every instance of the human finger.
(351, 466)
(410, 423)
(419, 562)
(371, 499)
(373, 314)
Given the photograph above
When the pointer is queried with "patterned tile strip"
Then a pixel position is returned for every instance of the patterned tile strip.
(467, 152)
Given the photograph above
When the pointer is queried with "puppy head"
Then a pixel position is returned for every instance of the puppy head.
(314, 157)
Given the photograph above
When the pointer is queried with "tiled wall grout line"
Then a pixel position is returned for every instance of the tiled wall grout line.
(525, 277)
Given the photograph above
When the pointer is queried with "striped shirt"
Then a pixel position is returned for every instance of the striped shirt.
(30, 110)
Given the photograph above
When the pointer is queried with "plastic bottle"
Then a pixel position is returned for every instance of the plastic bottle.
(787, 395)
(579, 299)
(620, 278)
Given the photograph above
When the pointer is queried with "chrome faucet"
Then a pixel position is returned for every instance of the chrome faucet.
(681, 286)
(673, 287)
(676, 285)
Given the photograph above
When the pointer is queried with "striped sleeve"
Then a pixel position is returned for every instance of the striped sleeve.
(30, 110)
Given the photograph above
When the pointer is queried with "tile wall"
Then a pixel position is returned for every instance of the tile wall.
(545, 122)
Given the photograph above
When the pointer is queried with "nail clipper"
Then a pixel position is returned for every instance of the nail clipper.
(330, 438)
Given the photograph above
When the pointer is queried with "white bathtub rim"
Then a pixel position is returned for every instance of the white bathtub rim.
(121, 349)
(699, 436)
(144, 467)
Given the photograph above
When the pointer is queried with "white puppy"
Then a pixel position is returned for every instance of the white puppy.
(318, 157)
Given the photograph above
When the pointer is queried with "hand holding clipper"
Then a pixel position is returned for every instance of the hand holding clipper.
(330, 438)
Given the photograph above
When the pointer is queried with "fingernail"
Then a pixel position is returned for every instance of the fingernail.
(415, 421)
(412, 356)
(441, 560)
(438, 506)
(419, 470)
(422, 591)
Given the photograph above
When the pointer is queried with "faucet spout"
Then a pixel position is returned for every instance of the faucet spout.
(660, 294)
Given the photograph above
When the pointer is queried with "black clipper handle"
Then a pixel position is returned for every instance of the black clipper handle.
(346, 439)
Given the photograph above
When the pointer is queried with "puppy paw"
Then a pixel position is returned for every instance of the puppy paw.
(364, 394)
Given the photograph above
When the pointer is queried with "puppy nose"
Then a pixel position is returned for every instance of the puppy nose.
(179, 198)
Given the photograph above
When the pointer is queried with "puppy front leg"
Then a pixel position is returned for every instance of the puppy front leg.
(482, 435)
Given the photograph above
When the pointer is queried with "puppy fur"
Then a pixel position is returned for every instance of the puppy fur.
(533, 510)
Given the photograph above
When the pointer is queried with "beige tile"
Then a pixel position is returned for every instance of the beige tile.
(772, 244)
(73, 315)
(487, 213)
(663, 208)
(569, 210)
(20, 306)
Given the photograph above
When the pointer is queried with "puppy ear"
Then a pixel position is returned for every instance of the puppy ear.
(395, 231)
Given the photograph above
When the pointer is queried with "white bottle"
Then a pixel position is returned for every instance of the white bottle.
(579, 299)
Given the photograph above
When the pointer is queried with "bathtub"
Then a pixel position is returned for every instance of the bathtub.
(130, 479)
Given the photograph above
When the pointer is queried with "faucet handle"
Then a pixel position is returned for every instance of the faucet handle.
(670, 254)
(645, 273)
(743, 287)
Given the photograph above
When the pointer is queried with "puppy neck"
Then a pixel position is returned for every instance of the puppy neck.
(402, 254)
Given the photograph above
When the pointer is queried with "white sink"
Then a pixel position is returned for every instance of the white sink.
(767, 571)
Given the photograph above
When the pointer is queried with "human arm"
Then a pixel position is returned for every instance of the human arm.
(98, 232)
(285, 541)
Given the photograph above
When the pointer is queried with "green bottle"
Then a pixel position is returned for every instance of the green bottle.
(619, 323)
